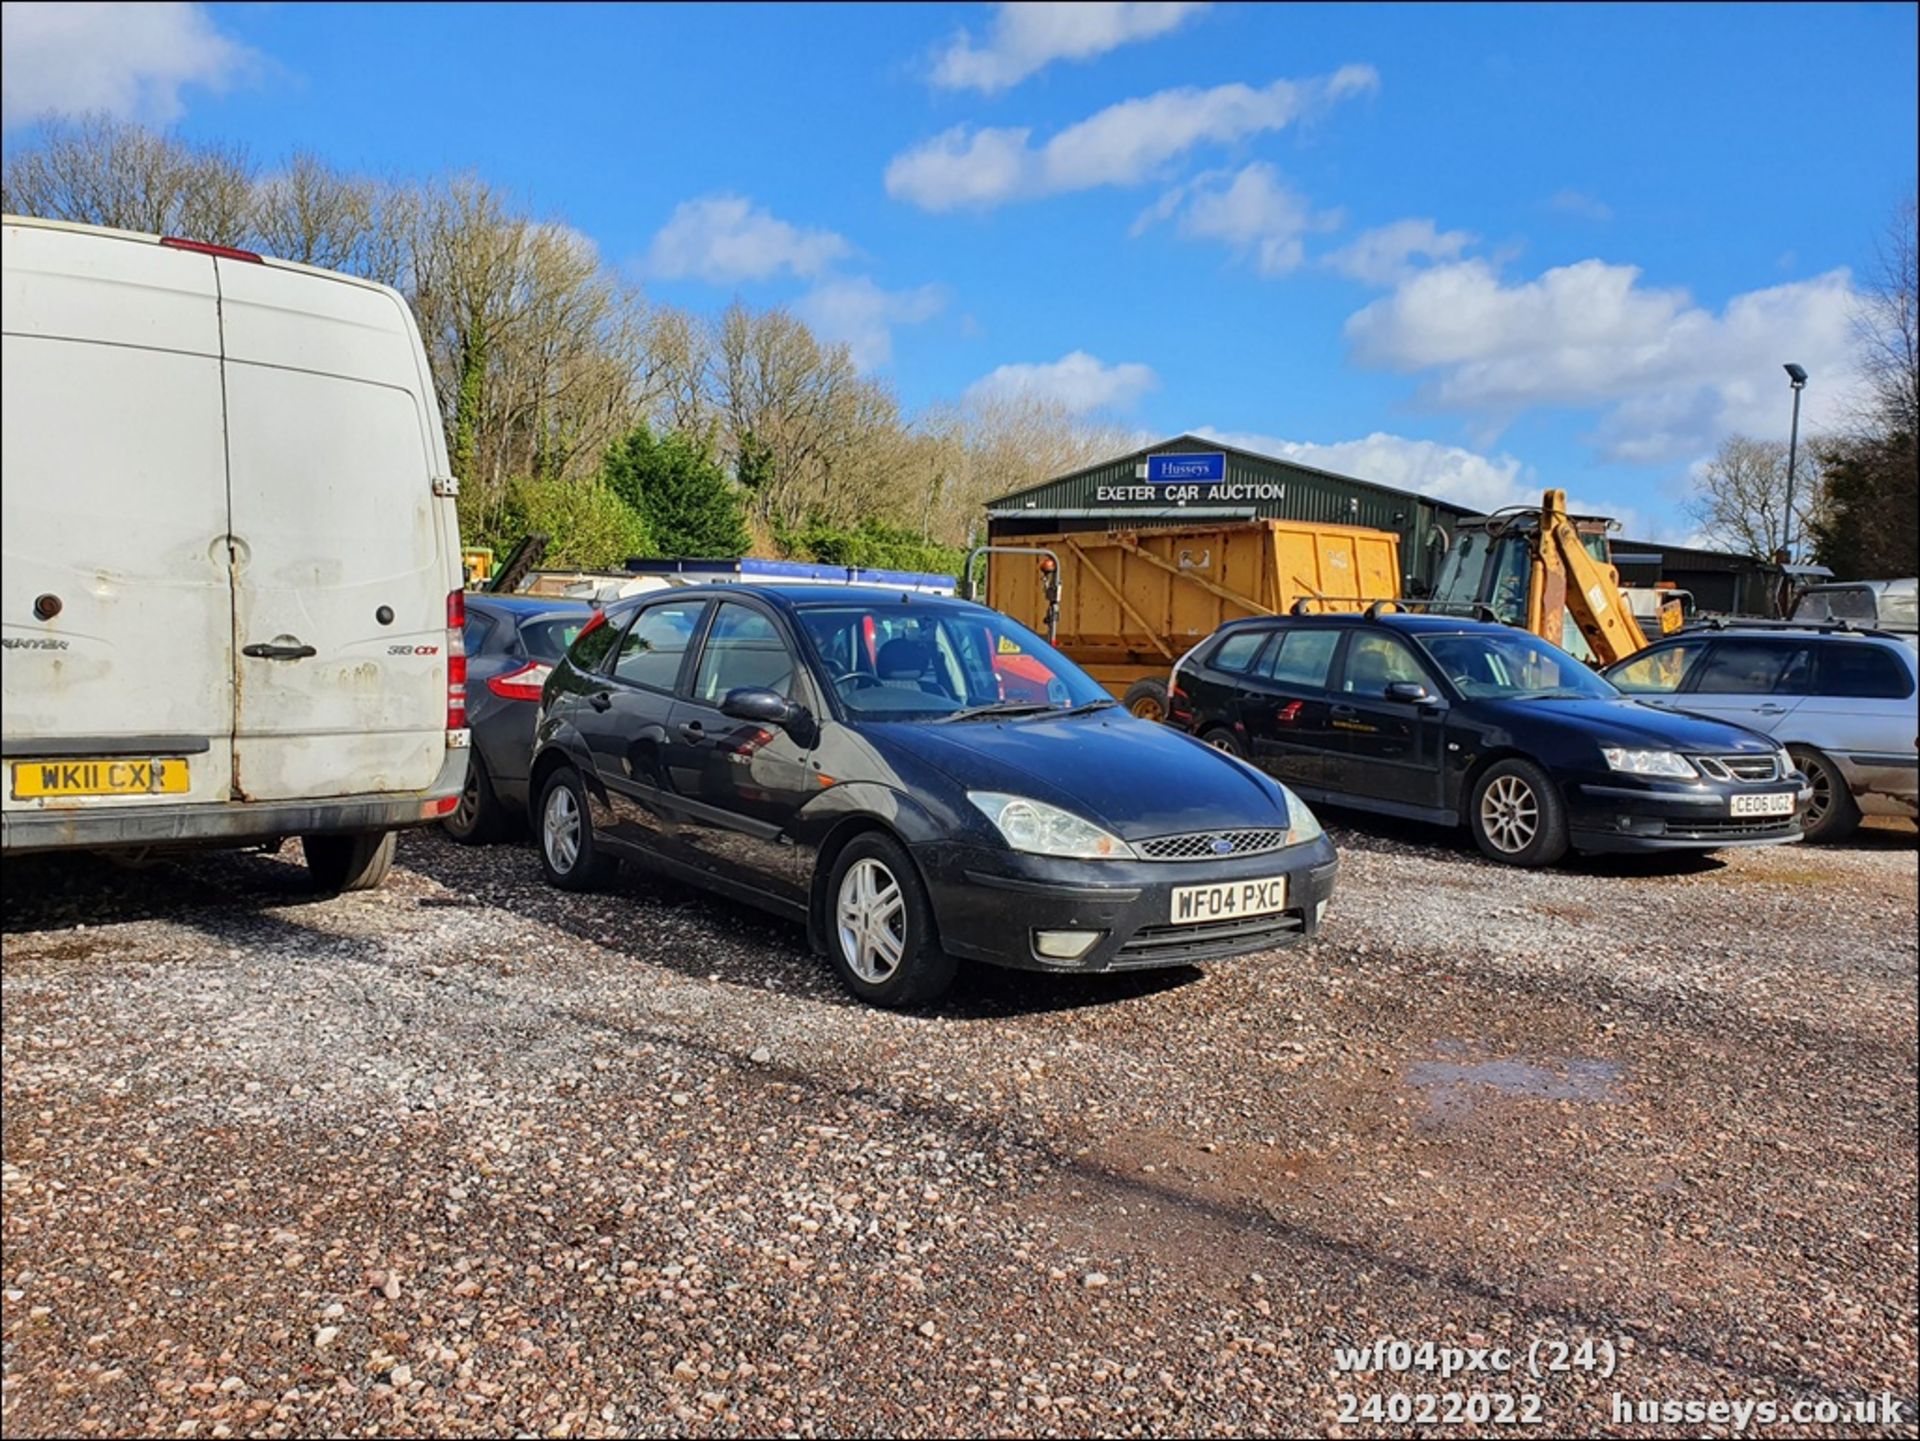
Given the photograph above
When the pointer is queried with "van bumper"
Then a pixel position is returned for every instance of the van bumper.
(231, 823)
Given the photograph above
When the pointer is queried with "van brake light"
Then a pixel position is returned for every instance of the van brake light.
(207, 247)
(456, 660)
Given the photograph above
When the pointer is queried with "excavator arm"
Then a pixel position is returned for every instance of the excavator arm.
(1565, 578)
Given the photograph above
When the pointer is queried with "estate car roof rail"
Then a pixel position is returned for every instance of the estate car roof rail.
(1838, 626)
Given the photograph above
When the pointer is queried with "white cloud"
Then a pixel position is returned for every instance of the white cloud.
(1251, 210)
(723, 239)
(861, 315)
(126, 60)
(1077, 382)
(1673, 376)
(1577, 202)
(1124, 144)
(1385, 254)
(1028, 37)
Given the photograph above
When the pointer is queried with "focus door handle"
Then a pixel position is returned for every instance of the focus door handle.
(1345, 710)
(600, 700)
(276, 651)
(1771, 709)
(692, 732)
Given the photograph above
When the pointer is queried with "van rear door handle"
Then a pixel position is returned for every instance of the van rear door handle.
(1345, 710)
(275, 651)
(1771, 709)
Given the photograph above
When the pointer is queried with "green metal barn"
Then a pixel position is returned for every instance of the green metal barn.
(1192, 479)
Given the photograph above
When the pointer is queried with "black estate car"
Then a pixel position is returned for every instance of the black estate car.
(1440, 719)
(513, 644)
(915, 778)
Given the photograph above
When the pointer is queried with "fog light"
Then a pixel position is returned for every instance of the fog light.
(1064, 945)
(1319, 912)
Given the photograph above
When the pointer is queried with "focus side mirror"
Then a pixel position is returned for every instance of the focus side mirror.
(762, 706)
(1410, 691)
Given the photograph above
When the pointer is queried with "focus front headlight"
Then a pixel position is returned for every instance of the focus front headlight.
(1649, 763)
(1302, 824)
(1044, 830)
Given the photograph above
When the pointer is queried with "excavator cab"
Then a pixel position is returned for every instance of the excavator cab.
(1546, 571)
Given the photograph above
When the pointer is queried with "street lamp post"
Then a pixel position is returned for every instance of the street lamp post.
(1797, 378)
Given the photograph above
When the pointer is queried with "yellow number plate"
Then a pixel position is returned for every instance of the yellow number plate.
(129, 776)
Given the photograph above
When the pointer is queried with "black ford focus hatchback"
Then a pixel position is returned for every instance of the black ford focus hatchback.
(916, 779)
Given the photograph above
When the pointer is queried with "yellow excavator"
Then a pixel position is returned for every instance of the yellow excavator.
(1552, 573)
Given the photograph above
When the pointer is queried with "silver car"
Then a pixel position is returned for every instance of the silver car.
(1840, 700)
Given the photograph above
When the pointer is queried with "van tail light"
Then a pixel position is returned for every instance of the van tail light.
(456, 660)
(522, 684)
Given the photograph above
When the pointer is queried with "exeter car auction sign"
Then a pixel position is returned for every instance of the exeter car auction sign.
(1177, 479)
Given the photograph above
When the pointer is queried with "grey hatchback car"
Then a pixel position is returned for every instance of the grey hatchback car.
(1841, 700)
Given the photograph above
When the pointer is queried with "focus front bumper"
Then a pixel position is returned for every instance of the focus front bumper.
(989, 903)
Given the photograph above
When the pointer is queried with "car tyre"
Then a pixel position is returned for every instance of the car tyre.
(570, 853)
(1832, 814)
(479, 817)
(1147, 698)
(348, 862)
(1223, 739)
(879, 926)
(1517, 815)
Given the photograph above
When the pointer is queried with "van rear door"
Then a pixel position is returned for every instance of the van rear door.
(343, 556)
(118, 619)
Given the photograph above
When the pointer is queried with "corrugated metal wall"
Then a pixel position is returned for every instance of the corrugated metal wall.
(1271, 488)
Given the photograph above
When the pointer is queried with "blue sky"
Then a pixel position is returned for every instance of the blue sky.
(1469, 249)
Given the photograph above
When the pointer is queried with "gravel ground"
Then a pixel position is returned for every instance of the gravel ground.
(469, 1156)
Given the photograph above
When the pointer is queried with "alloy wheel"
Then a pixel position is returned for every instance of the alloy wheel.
(871, 917)
(467, 814)
(1820, 802)
(560, 830)
(1510, 814)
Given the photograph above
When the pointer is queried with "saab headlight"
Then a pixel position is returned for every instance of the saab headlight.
(1649, 763)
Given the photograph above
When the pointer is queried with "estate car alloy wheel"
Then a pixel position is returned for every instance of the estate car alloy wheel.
(880, 925)
(1831, 812)
(1510, 814)
(1517, 816)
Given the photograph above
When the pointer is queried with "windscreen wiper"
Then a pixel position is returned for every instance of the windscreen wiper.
(995, 708)
(1104, 703)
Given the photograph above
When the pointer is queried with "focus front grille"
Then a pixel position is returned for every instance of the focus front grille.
(1754, 769)
(1210, 845)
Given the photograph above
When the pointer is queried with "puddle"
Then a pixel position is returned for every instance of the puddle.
(1454, 1088)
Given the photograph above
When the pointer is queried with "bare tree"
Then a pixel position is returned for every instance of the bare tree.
(1740, 496)
(1887, 326)
(101, 171)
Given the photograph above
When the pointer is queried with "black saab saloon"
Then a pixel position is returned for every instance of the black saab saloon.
(1435, 718)
(917, 779)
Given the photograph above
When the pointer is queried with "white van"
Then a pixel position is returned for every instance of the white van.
(230, 601)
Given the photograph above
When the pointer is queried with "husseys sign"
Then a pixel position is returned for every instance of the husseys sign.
(1177, 479)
